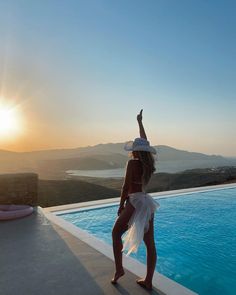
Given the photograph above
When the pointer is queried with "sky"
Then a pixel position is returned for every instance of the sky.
(78, 72)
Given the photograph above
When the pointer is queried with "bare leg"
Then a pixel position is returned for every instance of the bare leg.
(121, 225)
(151, 257)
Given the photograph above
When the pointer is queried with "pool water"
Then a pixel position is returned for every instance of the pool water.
(195, 236)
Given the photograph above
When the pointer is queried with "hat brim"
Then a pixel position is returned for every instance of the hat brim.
(129, 147)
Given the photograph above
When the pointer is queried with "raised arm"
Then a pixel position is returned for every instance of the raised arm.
(140, 123)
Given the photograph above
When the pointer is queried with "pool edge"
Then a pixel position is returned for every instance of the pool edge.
(113, 201)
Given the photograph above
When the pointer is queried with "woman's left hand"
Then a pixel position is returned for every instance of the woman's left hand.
(121, 208)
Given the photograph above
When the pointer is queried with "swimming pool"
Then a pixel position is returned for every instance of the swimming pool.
(195, 238)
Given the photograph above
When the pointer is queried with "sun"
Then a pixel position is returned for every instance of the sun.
(9, 120)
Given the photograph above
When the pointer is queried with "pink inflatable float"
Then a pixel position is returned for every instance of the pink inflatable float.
(8, 212)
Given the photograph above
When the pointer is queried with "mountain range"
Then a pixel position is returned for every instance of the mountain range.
(52, 164)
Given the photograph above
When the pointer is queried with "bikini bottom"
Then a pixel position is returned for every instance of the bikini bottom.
(145, 207)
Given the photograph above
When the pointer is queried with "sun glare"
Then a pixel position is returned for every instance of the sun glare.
(9, 120)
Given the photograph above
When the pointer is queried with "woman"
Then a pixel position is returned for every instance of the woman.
(136, 210)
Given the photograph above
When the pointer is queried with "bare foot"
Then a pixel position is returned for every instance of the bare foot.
(144, 284)
(117, 275)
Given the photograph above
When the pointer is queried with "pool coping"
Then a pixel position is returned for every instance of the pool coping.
(160, 282)
(61, 209)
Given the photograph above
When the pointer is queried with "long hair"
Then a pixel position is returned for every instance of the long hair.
(148, 165)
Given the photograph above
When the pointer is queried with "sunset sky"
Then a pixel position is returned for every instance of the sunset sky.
(76, 73)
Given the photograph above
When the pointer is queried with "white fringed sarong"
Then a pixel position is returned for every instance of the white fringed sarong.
(145, 206)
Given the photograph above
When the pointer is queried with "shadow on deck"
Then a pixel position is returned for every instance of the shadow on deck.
(38, 257)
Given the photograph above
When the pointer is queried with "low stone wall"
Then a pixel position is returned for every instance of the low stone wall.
(20, 188)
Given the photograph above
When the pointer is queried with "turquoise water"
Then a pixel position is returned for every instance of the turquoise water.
(195, 237)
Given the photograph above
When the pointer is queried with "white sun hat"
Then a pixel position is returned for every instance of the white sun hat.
(139, 144)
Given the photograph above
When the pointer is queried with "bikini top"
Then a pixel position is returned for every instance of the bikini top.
(137, 182)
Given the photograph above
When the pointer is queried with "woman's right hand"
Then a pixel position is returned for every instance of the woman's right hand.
(139, 116)
(140, 123)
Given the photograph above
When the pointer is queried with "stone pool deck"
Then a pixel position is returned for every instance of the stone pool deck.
(39, 257)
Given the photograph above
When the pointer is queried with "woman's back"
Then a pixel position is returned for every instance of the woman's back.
(136, 184)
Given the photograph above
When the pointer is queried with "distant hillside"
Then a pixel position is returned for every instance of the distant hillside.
(104, 149)
(58, 192)
(191, 178)
(168, 181)
(52, 164)
(167, 153)
(93, 162)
